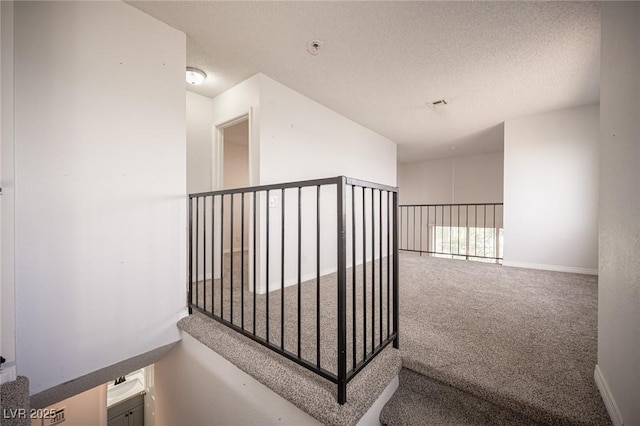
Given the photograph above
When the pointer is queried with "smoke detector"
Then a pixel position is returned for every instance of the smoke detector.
(440, 103)
(314, 47)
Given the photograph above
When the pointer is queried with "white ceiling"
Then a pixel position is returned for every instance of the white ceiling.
(382, 61)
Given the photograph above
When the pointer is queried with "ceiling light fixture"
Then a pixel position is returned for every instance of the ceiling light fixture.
(195, 76)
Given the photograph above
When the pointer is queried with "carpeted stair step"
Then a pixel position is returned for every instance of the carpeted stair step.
(420, 400)
(306, 390)
(14, 402)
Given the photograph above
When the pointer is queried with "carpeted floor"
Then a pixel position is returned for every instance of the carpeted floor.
(523, 339)
(420, 400)
(14, 396)
(208, 296)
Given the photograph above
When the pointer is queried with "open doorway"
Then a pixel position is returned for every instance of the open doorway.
(235, 155)
(233, 173)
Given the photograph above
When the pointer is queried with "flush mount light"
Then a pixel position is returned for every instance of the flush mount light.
(195, 76)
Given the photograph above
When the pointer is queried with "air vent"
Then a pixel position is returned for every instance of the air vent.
(440, 103)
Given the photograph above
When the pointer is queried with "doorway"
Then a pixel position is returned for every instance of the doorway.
(233, 172)
(235, 155)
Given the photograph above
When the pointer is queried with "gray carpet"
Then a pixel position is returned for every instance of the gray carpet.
(306, 390)
(522, 339)
(420, 400)
(375, 329)
(15, 396)
(309, 392)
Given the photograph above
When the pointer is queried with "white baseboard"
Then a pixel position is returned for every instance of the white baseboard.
(607, 397)
(545, 267)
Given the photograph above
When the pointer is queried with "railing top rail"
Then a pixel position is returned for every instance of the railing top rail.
(367, 184)
(454, 204)
(302, 183)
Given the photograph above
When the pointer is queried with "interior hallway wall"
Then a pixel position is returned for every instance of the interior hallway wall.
(551, 179)
(618, 370)
(86, 408)
(301, 139)
(7, 226)
(100, 164)
(199, 143)
(469, 179)
(456, 180)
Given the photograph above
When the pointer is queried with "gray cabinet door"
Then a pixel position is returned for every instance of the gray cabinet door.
(120, 420)
(129, 412)
(136, 416)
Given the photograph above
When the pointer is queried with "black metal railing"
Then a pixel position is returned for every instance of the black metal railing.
(308, 269)
(462, 231)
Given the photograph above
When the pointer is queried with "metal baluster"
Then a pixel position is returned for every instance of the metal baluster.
(318, 275)
(396, 318)
(190, 295)
(420, 230)
(221, 256)
(232, 214)
(213, 250)
(242, 260)
(299, 267)
(380, 261)
(197, 302)
(484, 231)
(204, 254)
(388, 260)
(267, 208)
(282, 208)
(364, 275)
(342, 292)
(353, 271)
(373, 272)
(255, 252)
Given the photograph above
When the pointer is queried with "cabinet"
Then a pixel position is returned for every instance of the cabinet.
(129, 412)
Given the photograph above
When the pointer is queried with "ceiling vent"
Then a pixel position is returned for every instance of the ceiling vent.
(440, 103)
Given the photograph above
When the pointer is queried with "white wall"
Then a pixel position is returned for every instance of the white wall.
(241, 100)
(301, 139)
(455, 180)
(199, 143)
(551, 191)
(470, 179)
(100, 186)
(7, 286)
(618, 371)
(313, 141)
(294, 138)
(239, 398)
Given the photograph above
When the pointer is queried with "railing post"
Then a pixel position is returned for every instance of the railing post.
(342, 291)
(396, 293)
(190, 292)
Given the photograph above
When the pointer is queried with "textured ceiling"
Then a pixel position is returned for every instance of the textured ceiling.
(382, 61)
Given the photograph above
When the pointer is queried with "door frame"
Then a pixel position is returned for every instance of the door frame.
(217, 148)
